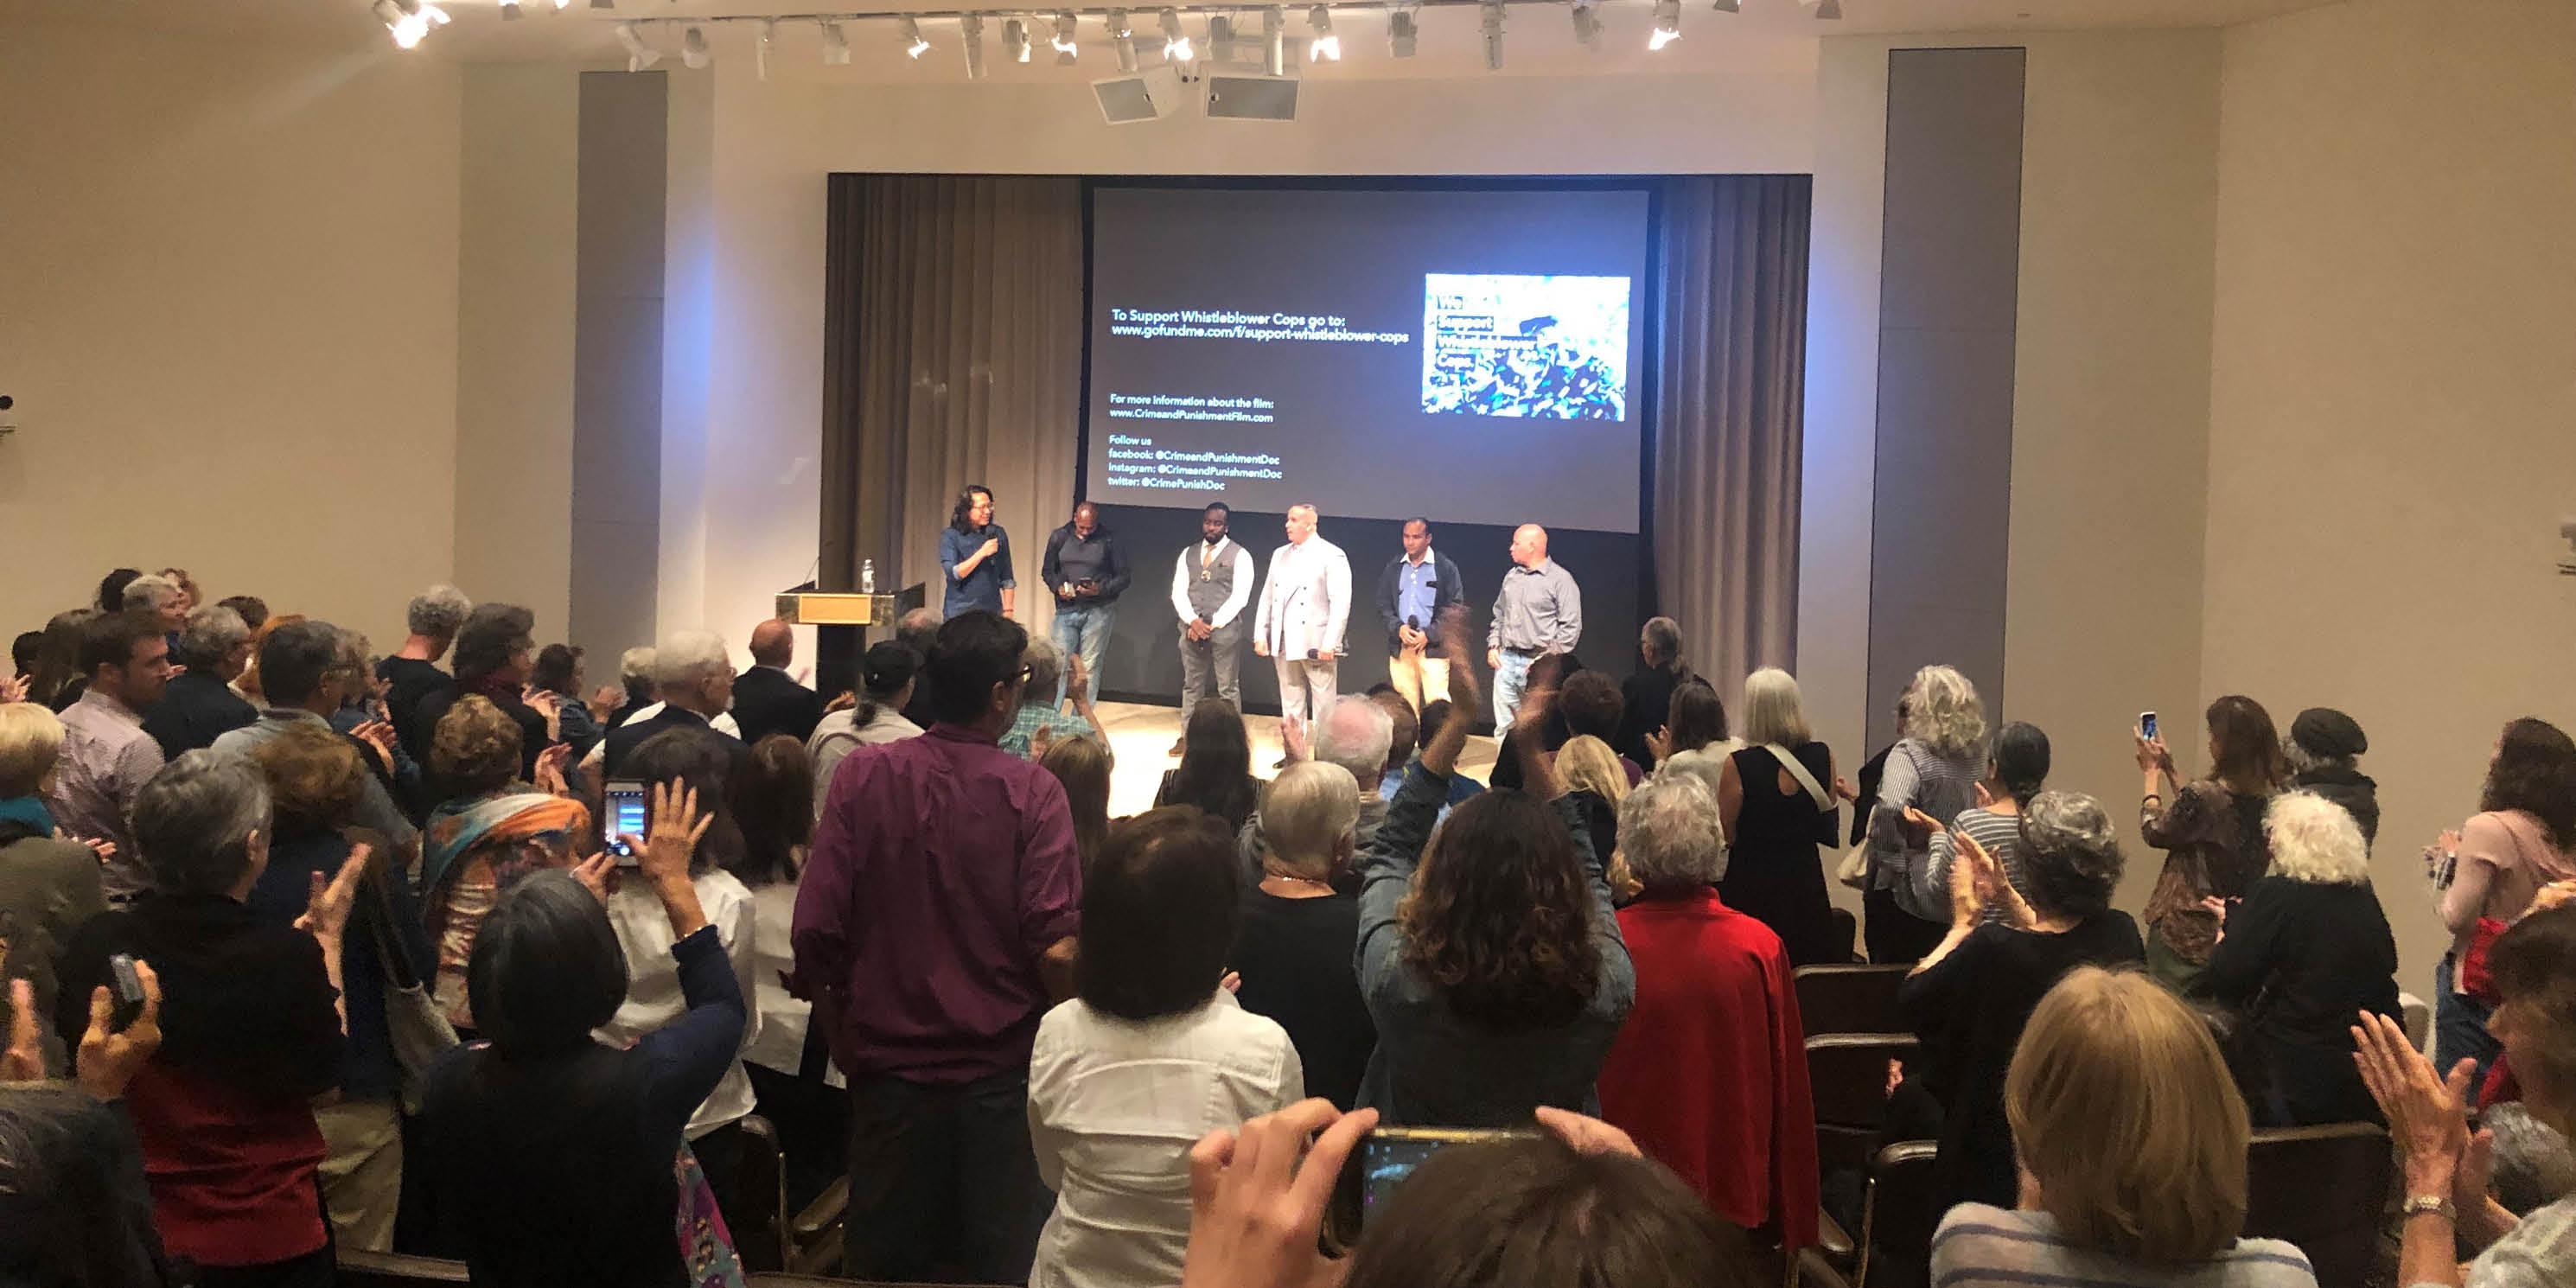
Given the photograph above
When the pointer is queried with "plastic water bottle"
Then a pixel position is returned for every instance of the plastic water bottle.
(867, 576)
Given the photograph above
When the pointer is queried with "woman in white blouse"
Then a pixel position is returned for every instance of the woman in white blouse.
(1150, 1055)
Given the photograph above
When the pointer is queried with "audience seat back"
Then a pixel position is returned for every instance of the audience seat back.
(1847, 1078)
(758, 1217)
(391, 1270)
(2325, 1189)
(1849, 999)
(1897, 1217)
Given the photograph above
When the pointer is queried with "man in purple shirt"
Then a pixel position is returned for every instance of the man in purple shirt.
(935, 924)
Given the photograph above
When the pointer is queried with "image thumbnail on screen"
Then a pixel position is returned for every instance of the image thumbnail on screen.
(1511, 345)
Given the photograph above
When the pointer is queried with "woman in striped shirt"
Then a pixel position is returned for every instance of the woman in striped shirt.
(2015, 773)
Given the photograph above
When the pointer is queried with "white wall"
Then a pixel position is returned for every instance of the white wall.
(228, 315)
(2110, 395)
(2393, 416)
(773, 144)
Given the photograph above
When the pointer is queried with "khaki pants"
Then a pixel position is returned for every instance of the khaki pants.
(1419, 677)
(362, 1172)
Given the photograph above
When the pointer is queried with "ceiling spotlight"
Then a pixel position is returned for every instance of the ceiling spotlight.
(760, 46)
(1402, 26)
(510, 9)
(1587, 25)
(970, 36)
(1728, 6)
(1829, 10)
(910, 29)
(693, 49)
(638, 54)
(1493, 35)
(1176, 45)
(1326, 47)
(1122, 41)
(1274, 41)
(1015, 40)
(409, 20)
(1063, 43)
(1668, 24)
(836, 45)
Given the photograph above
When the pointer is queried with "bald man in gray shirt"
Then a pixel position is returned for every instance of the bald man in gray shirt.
(1538, 612)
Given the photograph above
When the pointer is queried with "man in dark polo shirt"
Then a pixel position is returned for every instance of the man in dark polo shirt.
(1086, 571)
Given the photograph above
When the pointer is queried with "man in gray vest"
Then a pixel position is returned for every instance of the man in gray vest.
(1210, 586)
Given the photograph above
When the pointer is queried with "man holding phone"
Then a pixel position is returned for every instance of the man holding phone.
(1086, 569)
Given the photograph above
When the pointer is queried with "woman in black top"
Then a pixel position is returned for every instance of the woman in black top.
(2306, 950)
(1971, 996)
(554, 1157)
(1774, 824)
(1293, 946)
(1215, 773)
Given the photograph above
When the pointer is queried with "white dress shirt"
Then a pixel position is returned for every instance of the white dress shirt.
(780, 1044)
(1191, 560)
(1114, 1106)
(1307, 601)
(653, 996)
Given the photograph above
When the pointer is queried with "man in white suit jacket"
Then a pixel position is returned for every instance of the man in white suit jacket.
(1303, 609)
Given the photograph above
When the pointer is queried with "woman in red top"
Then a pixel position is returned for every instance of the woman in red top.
(251, 1028)
(1716, 1015)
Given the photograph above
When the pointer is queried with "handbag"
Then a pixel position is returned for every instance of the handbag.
(418, 1029)
(1853, 871)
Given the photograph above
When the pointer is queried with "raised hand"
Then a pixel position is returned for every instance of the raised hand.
(379, 735)
(1967, 897)
(327, 905)
(2427, 1112)
(605, 702)
(671, 838)
(13, 689)
(24, 1059)
(108, 1060)
(1659, 744)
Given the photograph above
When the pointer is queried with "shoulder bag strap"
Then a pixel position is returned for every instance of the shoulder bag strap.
(1815, 791)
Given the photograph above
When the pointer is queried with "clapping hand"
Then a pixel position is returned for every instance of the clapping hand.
(844, 701)
(2427, 1112)
(379, 735)
(24, 1060)
(327, 905)
(1659, 744)
(1967, 896)
(550, 770)
(605, 703)
(107, 1059)
(1920, 825)
(13, 689)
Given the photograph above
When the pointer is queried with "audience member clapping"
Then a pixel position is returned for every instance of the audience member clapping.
(1149, 1056)
(2211, 830)
(1041, 718)
(495, 654)
(693, 672)
(433, 617)
(1646, 696)
(1492, 961)
(1293, 945)
(106, 756)
(2016, 771)
(2307, 948)
(305, 667)
(1693, 739)
(2522, 839)
(1932, 771)
(49, 886)
(251, 1026)
(2132, 1143)
(1594, 777)
(199, 705)
(75, 1208)
(1715, 1013)
(1971, 995)
(552, 1155)
(2446, 1166)
(889, 673)
(1215, 773)
(558, 671)
(492, 832)
(316, 781)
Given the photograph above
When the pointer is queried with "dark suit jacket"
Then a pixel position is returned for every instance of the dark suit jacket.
(624, 739)
(1446, 589)
(767, 700)
(435, 706)
(195, 710)
(1646, 702)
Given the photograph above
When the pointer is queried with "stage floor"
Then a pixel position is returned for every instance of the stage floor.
(1140, 736)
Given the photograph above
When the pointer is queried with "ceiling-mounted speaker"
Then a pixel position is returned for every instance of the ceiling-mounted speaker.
(1246, 96)
(1146, 96)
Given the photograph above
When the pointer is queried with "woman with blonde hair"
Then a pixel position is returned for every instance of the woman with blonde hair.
(1774, 801)
(1082, 765)
(49, 887)
(1933, 772)
(1592, 771)
(2132, 1143)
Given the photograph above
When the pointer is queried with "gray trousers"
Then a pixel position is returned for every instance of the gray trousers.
(1221, 653)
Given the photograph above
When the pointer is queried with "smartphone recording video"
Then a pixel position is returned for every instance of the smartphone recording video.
(625, 818)
(1384, 1160)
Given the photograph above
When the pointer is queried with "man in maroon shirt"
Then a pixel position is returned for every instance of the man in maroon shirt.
(934, 925)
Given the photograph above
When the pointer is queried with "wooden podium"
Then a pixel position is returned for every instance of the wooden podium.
(842, 620)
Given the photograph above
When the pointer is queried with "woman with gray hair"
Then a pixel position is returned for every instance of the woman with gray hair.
(1714, 1012)
(199, 705)
(250, 1020)
(1971, 996)
(1293, 944)
(1933, 771)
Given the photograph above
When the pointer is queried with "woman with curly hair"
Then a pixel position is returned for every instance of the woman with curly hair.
(2522, 838)
(1931, 776)
(494, 831)
(1970, 997)
(1492, 962)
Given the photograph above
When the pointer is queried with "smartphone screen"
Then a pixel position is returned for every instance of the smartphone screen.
(625, 818)
(1384, 1160)
(2147, 725)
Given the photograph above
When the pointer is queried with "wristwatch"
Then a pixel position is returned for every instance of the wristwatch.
(2437, 1204)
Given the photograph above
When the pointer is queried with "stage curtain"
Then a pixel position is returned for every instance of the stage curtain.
(953, 356)
(1729, 419)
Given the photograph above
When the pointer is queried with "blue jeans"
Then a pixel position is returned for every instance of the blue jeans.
(1084, 629)
(2460, 1030)
(1510, 680)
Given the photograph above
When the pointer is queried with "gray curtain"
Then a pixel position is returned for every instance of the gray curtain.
(1730, 418)
(953, 356)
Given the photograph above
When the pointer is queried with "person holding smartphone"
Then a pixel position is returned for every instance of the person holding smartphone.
(1086, 569)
